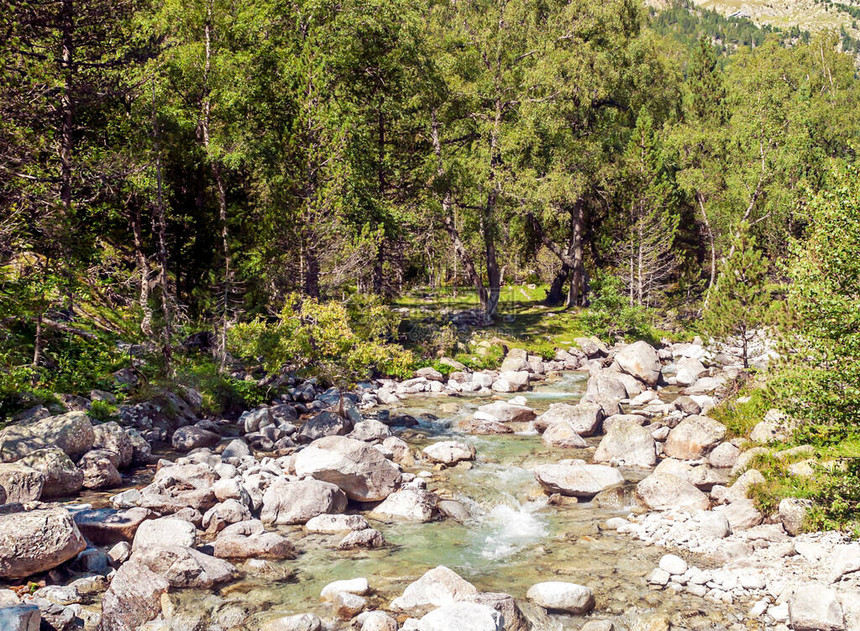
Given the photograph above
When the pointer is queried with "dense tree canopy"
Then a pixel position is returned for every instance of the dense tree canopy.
(199, 161)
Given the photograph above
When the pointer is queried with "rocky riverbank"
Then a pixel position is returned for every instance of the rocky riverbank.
(254, 499)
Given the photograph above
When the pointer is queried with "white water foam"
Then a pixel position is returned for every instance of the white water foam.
(506, 529)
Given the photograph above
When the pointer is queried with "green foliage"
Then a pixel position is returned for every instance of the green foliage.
(837, 500)
(739, 304)
(740, 418)
(315, 338)
(610, 314)
(102, 411)
(820, 383)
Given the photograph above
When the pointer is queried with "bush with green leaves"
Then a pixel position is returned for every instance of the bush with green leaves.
(319, 339)
(739, 303)
(611, 314)
(819, 384)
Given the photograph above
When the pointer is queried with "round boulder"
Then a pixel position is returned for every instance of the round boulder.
(37, 541)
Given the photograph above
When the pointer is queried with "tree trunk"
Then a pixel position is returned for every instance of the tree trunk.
(576, 290)
(555, 296)
(312, 272)
(67, 107)
(160, 226)
(143, 271)
(488, 226)
(378, 267)
(215, 168)
(701, 201)
(37, 347)
(450, 224)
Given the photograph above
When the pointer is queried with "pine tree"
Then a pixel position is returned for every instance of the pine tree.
(739, 302)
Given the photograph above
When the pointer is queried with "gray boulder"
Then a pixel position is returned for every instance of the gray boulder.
(815, 607)
(114, 438)
(71, 432)
(185, 567)
(562, 434)
(105, 526)
(20, 482)
(627, 443)
(407, 504)
(561, 596)
(664, 491)
(436, 588)
(167, 531)
(463, 617)
(505, 604)
(286, 502)
(641, 361)
(577, 479)
(36, 541)
(62, 477)
(21, 617)
(133, 598)
(324, 424)
(792, 514)
(361, 471)
(694, 437)
(584, 418)
(193, 437)
(450, 452)
(505, 412)
(99, 469)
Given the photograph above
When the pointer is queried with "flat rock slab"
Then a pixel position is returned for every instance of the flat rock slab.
(106, 527)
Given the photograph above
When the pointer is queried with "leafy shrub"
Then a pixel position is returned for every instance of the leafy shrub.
(611, 315)
(102, 411)
(319, 339)
(837, 501)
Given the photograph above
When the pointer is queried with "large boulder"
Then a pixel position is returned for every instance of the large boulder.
(409, 504)
(286, 502)
(20, 617)
(664, 491)
(336, 523)
(167, 531)
(61, 476)
(436, 588)
(694, 437)
(577, 479)
(742, 514)
(463, 617)
(133, 598)
(560, 596)
(505, 604)
(450, 452)
(361, 471)
(114, 438)
(71, 432)
(99, 469)
(20, 482)
(516, 360)
(604, 386)
(36, 541)
(627, 443)
(185, 567)
(815, 607)
(702, 476)
(688, 370)
(194, 437)
(106, 527)
(792, 514)
(562, 434)
(505, 412)
(248, 539)
(324, 424)
(640, 360)
(584, 418)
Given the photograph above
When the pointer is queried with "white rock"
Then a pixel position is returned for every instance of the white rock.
(673, 564)
(358, 586)
(561, 596)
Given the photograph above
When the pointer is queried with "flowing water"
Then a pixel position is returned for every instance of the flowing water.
(515, 540)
